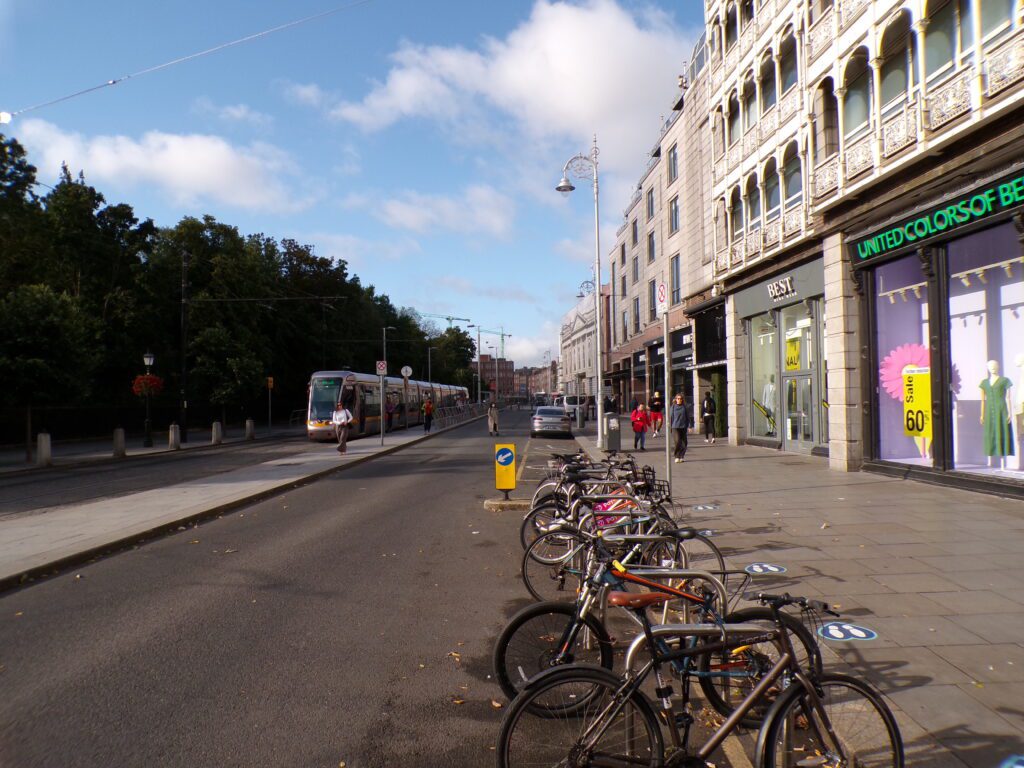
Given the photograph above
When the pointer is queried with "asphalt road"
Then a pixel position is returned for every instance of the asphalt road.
(349, 621)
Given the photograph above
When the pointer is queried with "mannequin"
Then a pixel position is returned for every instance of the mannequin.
(996, 407)
(1019, 362)
(768, 401)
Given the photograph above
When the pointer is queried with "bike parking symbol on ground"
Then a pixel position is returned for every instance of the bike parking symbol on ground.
(844, 632)
(761, 569)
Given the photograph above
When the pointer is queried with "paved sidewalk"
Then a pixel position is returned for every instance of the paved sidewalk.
(36, 543)
(938, 573)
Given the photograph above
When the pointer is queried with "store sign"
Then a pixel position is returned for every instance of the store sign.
(1002, 195)
(783, 289)
(793, 354)
(917, 411)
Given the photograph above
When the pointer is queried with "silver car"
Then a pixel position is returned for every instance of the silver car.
(550, 420)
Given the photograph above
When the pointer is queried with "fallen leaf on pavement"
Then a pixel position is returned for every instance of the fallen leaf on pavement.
(455, 655)
(496, 704)
(458, 700)
(194, 541)
(230, 551)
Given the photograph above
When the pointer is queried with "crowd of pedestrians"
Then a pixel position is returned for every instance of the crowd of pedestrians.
(644, 419)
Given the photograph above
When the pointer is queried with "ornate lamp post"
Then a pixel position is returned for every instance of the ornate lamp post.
(584, 167)
(147, 441)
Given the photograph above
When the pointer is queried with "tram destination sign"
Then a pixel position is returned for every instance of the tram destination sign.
(1003, 195)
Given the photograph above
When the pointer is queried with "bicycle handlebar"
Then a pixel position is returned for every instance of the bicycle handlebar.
(780, 601)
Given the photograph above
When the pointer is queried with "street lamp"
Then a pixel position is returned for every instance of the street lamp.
(429, 350)
(380, 418)
(479, 373)
(585, 167)
(147, 360)
(497, 383)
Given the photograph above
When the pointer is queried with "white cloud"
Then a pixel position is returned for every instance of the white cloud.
(306, 94)
(567, 71)
(479, 209)
(529, 350)
(506, 292)
(351, 162)
(188, 168)
(235, 113)
(360, 251)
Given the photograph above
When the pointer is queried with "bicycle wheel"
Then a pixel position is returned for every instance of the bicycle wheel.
(553, 566)
(702, 554)
(627, 734)
(861, 730)
(727, 677)
(530, 644)
(536, 520)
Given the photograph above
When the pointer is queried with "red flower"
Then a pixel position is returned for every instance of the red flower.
(147, 384)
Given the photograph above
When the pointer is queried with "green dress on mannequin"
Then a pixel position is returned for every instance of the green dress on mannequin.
(998, 433)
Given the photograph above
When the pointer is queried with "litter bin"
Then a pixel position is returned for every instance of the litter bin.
(612, 433)
(581, 416)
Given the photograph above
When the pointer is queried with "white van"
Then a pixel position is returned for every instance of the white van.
(571, 403)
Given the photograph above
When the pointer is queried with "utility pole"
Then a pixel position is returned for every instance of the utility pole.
(183, 417)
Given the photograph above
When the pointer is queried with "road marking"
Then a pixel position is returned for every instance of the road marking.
(522, 465)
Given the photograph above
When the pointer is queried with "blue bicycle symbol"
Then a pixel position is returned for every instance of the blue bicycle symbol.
(843, 632)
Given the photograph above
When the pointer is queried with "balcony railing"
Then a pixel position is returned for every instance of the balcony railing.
(793, 220)
(950, 100)
(826, 176)
(771, 233)
(769, 124)
(722, 261)
(734, 156)
(899, 130)
(850, 10)
(750, 142)
(1005, 66)
(752, 244)
(859, 156)
(789, 105)
(820, 36)
(736, 254)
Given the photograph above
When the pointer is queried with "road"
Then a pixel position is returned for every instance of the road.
(350, 620)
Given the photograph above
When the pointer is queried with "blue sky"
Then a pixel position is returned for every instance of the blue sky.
(420, 141)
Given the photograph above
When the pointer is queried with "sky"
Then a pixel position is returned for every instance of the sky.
(419, 141)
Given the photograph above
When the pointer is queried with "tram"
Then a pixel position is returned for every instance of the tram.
(360, 393)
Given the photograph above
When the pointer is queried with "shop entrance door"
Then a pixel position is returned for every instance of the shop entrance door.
(798, 417)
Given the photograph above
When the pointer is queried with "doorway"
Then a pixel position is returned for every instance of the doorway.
(798, 417)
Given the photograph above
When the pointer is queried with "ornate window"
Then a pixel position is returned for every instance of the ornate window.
(949, 34)
(857, 101)
(787, 63)
(732, 30)
(734, 118)
(994, 15)
(772, 198)
(897, 61)
(767, 77)
(826, 122)
(749, 103)
(791, 175)
(736, 214)
(753, 203)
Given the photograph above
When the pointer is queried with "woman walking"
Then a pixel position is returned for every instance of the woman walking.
(707, 411)
(492, 418)
(679, 420)
(641, 421)
(341, 419)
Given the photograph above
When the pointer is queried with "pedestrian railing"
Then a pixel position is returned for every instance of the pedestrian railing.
(458, 414)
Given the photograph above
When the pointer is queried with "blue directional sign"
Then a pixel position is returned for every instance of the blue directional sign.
(504, 457)
(844, 632)
(762, 569)
(1014, 761)
(505, 467)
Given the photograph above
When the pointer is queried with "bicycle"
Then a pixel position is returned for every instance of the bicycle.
(595, 718)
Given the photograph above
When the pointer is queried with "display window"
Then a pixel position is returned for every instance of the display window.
(986, 342)
(903, 358)
(764, 375)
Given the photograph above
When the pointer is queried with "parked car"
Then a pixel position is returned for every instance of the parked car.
(550, 420)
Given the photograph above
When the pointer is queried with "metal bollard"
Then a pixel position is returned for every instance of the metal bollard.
(217, 434)
(250, 429)
(174, 437)
(44, 451)
(119, 448)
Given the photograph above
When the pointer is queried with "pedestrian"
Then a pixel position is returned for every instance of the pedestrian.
(428, 414)
(341, 419)
(707, 412)
(492, 418)
(389, 410)
(609, 404)
(641, 421)
(679, 421)
(657, 412)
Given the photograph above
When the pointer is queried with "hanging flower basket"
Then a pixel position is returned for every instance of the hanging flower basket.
(147, 384)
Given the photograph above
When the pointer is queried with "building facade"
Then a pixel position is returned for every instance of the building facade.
(577, 345)
(851, 272)
(498, 375)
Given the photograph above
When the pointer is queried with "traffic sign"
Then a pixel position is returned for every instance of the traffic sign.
(662, 299)
(505, 467)
(382, 367)
(406, 371)
(270, 382)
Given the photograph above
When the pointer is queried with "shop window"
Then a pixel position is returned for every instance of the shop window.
(902, 345)
(764, 375)
(767, 77)
(857, 101)
(826, 122)
(897, 61)
(986, 340)
(772, 197)
(787, 63)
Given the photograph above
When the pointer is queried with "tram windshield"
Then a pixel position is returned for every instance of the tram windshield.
(323, 397)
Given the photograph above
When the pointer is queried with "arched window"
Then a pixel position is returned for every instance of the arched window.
(732, 30)
(736, 214)
(826, 122)
(897, 60)
(995, 14)
(716, 41)
(749, 102)
(721, 225)
(746, 12)
(787, 63)
(772, 199)
(719, 133)
(949, 34)
(767, 77)
(734, 118)
(857, 101)
(792, 178)
(753, 203)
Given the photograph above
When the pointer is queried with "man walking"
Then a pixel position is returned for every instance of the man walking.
(679, 420)
(428, 414)
(708, 414)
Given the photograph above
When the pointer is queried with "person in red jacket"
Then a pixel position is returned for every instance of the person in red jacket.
(641, 420)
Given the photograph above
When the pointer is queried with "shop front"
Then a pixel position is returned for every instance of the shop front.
(945, 307)
(681, 379)
(784, 322)
(709, 368)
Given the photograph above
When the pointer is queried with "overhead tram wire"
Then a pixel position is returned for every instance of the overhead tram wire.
(189, 57)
